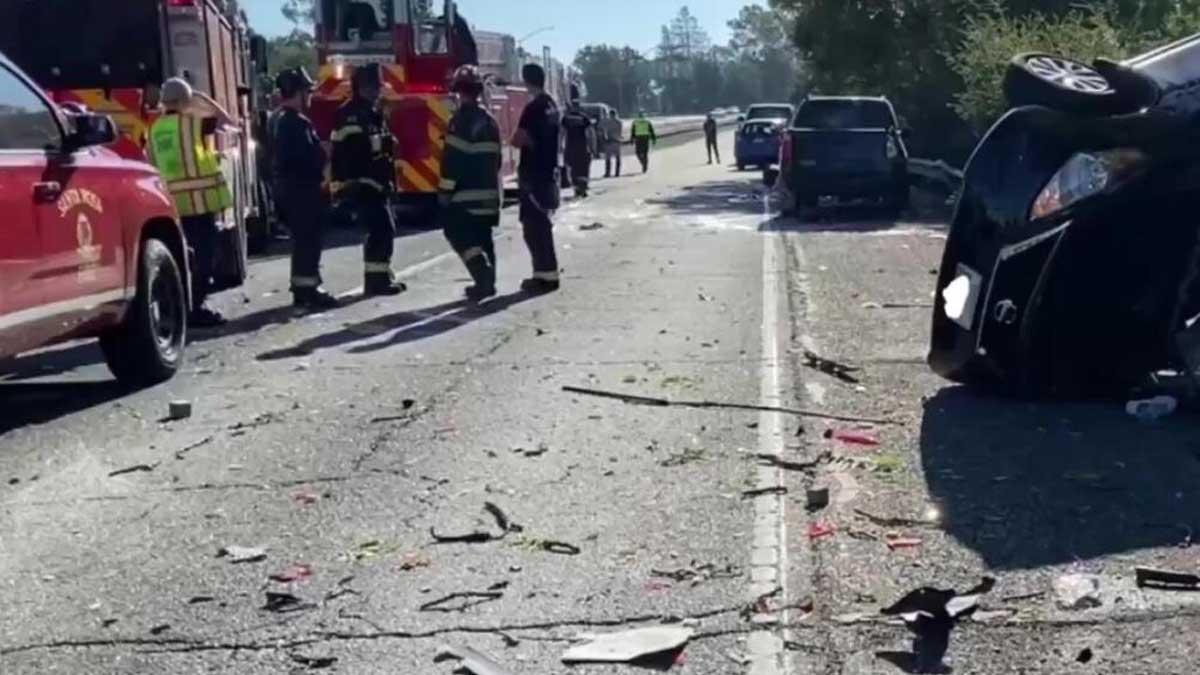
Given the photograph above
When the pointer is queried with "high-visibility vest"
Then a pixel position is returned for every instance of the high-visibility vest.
(641, 128)
(190, 167)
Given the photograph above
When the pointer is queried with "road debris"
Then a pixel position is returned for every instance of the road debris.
(505, 526)
(765, 491)
(182, 452)
(664, 403)
(930, 614)
(761, 604)
(285, 603)
(699, 573)
(297, 572)
(1153, 409)
(470, 598)
(769, 459)
(472, 661)
(629, 645)
(200, 599)
(306, 497)
(1166, 580)
(840, 371)
(816, 498)
(1077, 591)
(688, 456)
(540, 450)
(593, 226)
(889, 521)
(314, 662)
(1085, 656)
(242, 554)
(136, 468)
(549, 546)
(178, 410)
(414, 560)
(819, 530)
(853, 437)
(160, 629)
(896, 542)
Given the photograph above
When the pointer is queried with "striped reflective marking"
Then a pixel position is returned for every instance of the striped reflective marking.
(546, 276)
(194, 184)
(306, 282)
(472, 253)
(345, 132)
(377, 267)
(447, 184)
(86, 303)
(484, 212)
(476, 196)
(483, 148)
(415, 178)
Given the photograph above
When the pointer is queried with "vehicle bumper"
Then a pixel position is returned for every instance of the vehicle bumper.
(845, 184)
(749, 152)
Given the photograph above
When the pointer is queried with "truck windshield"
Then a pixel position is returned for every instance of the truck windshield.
(358, 21)
(844, 114)
(772, 112)
(83, 44)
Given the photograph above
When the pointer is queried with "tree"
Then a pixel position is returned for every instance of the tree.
(613, 75)
(760, 43)
(300, 12)
(294, 49)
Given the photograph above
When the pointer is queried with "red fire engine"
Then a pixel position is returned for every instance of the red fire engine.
(111, 58)
(419, 51)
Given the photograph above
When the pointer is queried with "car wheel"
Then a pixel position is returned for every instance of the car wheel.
(1059, 83)
(147, 348)
(897, 202)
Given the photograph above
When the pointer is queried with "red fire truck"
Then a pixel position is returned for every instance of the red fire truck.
(111, 57)
(419, 50)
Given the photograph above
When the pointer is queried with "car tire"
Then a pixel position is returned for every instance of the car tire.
(147, 348)
(1059, 83)
(898, 201)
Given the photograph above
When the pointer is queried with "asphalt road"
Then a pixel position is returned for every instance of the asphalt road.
(336, 442)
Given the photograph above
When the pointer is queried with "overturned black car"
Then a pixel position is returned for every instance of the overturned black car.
(1071, 266)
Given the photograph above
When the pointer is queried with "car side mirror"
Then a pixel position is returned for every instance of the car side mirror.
(90, 129)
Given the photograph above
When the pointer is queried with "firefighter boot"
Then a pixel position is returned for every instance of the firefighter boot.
(314, 299)
(484, 277)
(382, 284)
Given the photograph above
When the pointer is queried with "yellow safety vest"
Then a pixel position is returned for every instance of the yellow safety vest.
(190, 167)
(641, 128)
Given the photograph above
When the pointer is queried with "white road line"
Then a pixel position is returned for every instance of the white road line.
(768, 556)
(406, 272)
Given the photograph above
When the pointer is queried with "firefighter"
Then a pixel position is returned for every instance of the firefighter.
(643, 136)
(299, 169)
(537, 136)
(470, 190)
(364, 174)
(181, 147)
(580, 146)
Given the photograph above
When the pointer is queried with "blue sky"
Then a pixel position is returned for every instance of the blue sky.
(576, 22)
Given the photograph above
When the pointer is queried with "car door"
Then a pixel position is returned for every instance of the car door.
(80, 274)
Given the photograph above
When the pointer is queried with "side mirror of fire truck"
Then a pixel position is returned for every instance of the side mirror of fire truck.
(258, 53)
(90, 129)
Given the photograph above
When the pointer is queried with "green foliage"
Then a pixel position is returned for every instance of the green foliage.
(614, 75)
(300, 12)
(289, 51)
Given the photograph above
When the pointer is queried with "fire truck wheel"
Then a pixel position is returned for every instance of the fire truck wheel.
(147, 348)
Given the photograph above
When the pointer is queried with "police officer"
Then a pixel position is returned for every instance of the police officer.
(364, 176)
(643, 135)
(299, 168)
(181, 147)
(537, 136)
(580, 146)
(470, 188)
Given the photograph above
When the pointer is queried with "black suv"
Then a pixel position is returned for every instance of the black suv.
(846, 147)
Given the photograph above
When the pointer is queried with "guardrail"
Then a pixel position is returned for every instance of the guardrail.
(937, 172)
(671, 126)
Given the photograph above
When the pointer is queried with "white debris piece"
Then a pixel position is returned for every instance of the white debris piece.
(1153, 409)
(628, 645)
(1078, 591)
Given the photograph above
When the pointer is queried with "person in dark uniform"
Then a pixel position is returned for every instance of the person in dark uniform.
(470, 191)
(537, 136)
(580, 146)
(364, 176)
(710, 138)
(299, 169)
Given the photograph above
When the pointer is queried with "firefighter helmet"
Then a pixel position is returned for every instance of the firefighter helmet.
(176, 92)
(467, 81)
(293, 81)
(367, 75)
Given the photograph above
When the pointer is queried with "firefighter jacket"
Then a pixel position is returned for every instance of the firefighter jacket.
(363, 149)
(470, 182)
(180, 148)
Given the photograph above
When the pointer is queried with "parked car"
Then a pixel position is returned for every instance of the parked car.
(1071, 263)
(846, 147)
(759, 132)
(91, 245)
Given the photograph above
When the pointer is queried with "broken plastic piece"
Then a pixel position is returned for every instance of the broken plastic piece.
(1152, 409)
(242, 554)
(1078, 591)
(179, 410)
(296, 572)
(1166, 580)
(818, 530)
(895, 541)
(852, 437)
(472, 661)
(628, 645)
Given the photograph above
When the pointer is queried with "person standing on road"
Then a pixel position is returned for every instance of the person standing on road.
(364, 176)
(537, 136)
(299, 169)
(580, 146)
(710, 138)
(611, 131)
(470, 191)
(182, 149)
(643, 137)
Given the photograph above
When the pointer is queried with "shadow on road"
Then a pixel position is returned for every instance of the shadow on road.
(26, 403)
(743, 196)
(409, 326)
(1026, 485)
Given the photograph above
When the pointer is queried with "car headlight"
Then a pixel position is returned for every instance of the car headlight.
(1085, 175)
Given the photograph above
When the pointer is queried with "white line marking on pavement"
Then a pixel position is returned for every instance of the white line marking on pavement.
(406, 272)
(768, 556)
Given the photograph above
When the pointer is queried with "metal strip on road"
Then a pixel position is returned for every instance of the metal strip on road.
(411, 270)
(768, 555)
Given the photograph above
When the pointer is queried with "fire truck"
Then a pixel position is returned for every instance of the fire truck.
(110, 57)
(418, 50)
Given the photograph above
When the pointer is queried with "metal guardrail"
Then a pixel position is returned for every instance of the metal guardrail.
(937, 172)
(671, 126)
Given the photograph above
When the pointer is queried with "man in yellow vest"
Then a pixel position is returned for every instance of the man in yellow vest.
(181, 146)
(643, 135)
